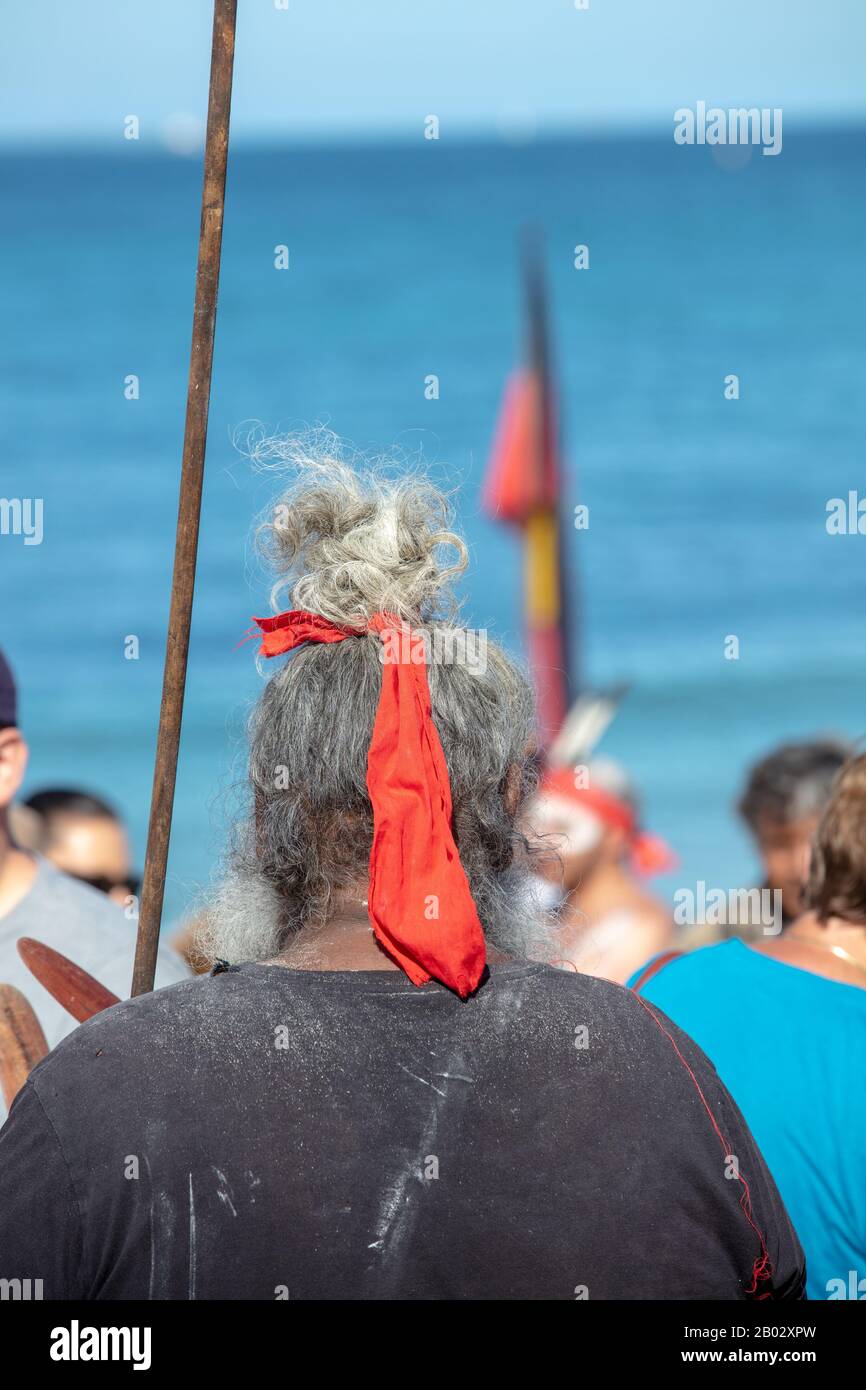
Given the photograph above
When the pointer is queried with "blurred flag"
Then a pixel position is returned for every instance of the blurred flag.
(522, 488)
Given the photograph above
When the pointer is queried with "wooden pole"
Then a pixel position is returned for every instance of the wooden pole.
(189, 507)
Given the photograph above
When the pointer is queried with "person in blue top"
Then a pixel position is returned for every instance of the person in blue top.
(784, 1022)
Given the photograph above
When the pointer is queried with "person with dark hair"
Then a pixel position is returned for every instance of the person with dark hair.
(781, 804)
(37, 900)
(375, 1094)
(8, 697)
(805, 992)
(85, 837)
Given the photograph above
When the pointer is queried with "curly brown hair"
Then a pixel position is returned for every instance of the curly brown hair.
(837, 874)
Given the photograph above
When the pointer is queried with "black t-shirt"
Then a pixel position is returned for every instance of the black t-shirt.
(268, 1133)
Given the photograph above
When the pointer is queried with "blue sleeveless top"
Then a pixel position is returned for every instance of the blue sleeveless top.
(791, 1048)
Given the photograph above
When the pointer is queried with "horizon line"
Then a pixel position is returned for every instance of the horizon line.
(384, 137)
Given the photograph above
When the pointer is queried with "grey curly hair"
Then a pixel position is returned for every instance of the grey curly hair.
(346, 542)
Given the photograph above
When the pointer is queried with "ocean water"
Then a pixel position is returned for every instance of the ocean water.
(707, 516)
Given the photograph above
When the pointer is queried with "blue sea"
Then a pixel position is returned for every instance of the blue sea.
(707, 515)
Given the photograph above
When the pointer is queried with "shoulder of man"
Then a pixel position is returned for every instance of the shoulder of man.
(124, 1034)
(626, 1024)
(672, 1095)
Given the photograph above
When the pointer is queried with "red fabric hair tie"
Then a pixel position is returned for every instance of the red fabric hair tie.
(415, 869)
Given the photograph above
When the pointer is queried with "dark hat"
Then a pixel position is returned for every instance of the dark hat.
(8, 698)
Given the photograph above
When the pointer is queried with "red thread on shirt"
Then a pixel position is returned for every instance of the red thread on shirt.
(762, 1269)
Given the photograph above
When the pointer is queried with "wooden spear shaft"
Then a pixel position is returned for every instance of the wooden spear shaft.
(189, 506)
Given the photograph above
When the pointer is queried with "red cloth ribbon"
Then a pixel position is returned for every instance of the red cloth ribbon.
(650, 854)
(420, 905)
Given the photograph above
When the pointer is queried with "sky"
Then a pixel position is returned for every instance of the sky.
(72, 70)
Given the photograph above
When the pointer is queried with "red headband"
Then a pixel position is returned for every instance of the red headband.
(415, 869)
(650, 854)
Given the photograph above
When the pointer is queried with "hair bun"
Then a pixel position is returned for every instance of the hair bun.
(347, 543)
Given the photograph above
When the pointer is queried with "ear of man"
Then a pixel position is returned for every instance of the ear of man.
(13, 764)
(513, 787)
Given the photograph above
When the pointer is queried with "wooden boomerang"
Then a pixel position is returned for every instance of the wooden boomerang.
(78, 992)
(22, 1041)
